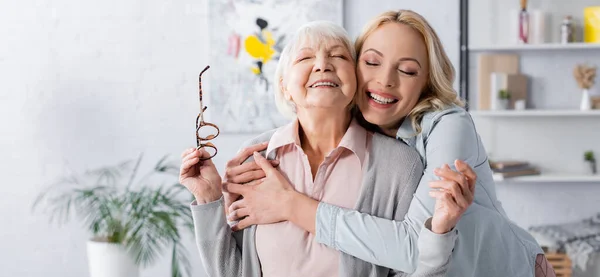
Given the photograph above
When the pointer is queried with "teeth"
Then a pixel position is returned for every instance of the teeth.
(380, 99)
(328, 84)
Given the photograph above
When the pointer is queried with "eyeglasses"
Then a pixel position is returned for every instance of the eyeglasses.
(205, 131)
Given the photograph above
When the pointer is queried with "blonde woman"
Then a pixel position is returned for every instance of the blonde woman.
(316, 152)
(405, 92)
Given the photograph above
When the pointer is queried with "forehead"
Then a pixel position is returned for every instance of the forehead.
(318, 43)
(400, 40)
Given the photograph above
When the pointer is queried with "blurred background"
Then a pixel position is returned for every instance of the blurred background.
(88, 84)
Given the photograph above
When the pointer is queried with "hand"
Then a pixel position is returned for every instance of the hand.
(200, 177)
(238, 172)
(266, 200)
(455, 193)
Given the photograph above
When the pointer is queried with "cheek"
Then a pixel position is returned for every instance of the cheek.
(365, 74)
(411, 90)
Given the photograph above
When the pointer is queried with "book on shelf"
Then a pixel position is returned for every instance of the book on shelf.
(511, 174)
(509, 169)
(508, 164)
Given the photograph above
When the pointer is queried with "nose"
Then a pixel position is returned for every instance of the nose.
(387, 78)
(322, 64)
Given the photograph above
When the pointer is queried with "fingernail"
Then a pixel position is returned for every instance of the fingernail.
(437, 170)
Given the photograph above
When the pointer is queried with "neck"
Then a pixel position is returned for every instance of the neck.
(322, 130)
(391, 130)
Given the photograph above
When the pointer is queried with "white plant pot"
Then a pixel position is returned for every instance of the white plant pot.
(502, 104)
(110, 260)
(586, 102)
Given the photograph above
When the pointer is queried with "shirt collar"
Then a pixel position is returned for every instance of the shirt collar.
(406, 132)
(355, 139)
(285, 135)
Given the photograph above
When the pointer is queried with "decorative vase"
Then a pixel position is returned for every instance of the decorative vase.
(110, 260)
(593, 167)
(586, 103)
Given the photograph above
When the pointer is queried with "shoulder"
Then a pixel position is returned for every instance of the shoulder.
(391, 154)
(451, 134)
(263, 137)
(453, 121)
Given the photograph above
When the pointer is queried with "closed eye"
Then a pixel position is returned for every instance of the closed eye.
(302, 59)
(340, 56)
(409, 73)
(371, 64)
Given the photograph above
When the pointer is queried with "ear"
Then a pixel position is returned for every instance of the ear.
(286, 95)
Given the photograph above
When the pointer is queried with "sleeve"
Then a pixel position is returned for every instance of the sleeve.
(219, 251)
(394, 244)
(404, 245)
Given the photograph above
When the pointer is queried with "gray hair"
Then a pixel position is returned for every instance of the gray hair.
(315, 33)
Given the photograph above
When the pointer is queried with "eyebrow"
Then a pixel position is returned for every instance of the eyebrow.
(401, 59)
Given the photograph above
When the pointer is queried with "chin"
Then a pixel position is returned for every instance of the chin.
(374, 116)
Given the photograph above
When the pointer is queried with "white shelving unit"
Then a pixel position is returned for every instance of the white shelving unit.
(526, 47)
(536, 113)
(552, 178)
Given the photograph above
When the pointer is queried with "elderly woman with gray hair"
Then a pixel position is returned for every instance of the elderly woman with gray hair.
(324, 144)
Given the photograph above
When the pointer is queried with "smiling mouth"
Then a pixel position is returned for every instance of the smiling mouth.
(380, 99)
(325, 84)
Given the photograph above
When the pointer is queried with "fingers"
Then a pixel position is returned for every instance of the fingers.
(236, 188)
(246, 172)
(448, 174)
(237, 205)
(249, 177)
(255, 182)
(466, 170)
(246, 153)
(453, 189)
(240, 169)
(188, 161)
(205, 156)
(187, 151)
(445, 197)
(238, 214)
(229, 198)
(263, 163)
(243, 224)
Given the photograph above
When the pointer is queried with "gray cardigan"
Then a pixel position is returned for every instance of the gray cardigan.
(229, 254)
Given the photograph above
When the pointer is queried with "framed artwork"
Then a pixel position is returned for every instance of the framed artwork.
(245, 40)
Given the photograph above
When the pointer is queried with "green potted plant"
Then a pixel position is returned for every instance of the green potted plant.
(588, 156)
(131, 221)
(503, 99)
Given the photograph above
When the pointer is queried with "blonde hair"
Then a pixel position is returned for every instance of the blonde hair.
(315, 33)
(438, 93)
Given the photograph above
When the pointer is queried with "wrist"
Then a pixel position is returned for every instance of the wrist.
(302, 211)
(436, 228)
(440, 230)
(208, 196)
(289, 201)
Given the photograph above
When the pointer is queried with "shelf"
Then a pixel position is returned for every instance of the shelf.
(527, 47)
(536, 113)
(552, 178)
